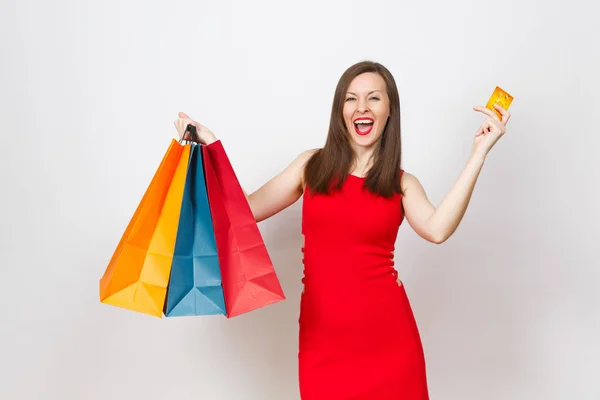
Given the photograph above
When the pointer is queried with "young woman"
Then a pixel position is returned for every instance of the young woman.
(358, 337)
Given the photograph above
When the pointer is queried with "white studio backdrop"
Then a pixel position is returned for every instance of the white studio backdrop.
(508, 308)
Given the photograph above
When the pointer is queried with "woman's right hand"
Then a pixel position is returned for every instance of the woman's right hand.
(204, 134)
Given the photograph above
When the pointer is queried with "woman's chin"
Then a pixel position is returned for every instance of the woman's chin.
(363, 140)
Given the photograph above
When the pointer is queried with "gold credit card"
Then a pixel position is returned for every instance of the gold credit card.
(500, 97)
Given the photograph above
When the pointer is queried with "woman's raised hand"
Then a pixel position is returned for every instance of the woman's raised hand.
(205, 136)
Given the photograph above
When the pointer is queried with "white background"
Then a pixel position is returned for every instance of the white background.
(508, 308)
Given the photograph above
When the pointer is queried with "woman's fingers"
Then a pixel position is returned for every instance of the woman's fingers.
(181, 125)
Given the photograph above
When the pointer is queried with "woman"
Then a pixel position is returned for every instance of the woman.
(358, 337)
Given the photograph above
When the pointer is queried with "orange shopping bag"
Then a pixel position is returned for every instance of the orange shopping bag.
(137, 275)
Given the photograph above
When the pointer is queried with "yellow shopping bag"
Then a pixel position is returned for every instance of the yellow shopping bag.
(137, 275)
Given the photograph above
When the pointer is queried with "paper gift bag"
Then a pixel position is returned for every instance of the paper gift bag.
(138, 273)
(195, 280)
(249, 279)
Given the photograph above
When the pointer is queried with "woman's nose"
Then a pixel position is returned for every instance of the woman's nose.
(362, 105)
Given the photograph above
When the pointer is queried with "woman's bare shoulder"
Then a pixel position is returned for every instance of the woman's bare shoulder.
(407, 180)
(307, 154)
(302, 159)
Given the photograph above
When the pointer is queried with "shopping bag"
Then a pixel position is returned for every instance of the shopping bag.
(249, 278)
(195, 280)
(137, 275)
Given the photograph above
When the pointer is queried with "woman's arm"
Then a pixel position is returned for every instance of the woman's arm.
(280, 192)
(438, 224)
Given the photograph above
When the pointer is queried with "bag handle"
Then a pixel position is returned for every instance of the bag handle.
(193, 134)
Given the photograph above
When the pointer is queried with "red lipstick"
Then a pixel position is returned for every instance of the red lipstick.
(363, 119)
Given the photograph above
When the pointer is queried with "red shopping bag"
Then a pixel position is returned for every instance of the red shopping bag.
(249, 278)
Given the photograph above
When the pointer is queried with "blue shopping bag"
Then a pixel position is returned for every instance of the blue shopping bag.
(195, 282)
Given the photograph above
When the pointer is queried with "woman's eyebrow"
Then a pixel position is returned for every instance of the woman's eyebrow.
(372, 91)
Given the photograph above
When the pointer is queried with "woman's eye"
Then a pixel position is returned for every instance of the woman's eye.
(371, 98)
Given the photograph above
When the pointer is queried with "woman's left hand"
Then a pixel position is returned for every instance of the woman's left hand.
(492, 129)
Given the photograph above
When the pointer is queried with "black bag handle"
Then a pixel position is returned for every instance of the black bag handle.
(193, 134)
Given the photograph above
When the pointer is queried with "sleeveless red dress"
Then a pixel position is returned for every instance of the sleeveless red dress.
(358, 338)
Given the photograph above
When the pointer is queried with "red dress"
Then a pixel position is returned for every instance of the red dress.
(358, 338)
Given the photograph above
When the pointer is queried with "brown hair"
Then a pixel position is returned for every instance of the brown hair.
(335, 159)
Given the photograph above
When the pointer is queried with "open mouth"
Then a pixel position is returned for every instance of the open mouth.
(363, 126)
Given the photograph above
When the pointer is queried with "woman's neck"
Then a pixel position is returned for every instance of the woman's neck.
(363, 160)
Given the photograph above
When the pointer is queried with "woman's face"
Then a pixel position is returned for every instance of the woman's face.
(366, 109)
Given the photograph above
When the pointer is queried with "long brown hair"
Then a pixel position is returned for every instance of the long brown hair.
(335, 159)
